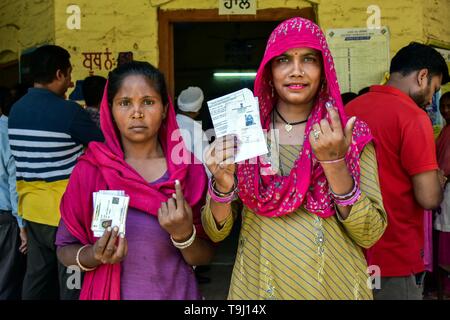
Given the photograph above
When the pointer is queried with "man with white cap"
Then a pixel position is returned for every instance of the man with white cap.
(189, 104)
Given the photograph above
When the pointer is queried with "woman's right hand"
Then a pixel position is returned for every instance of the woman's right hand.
(105, 249)
(220, 161)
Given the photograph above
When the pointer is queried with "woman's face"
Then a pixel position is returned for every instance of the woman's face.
(297, 75)
(138, 110)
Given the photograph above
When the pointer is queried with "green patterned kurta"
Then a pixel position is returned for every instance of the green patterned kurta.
(302, 256)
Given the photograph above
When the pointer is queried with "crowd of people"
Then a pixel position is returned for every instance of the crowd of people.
(341, 193)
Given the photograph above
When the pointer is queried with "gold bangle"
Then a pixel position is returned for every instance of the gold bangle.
(78, 260)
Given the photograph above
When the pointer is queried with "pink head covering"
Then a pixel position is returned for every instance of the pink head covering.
(306, 185)
(103, 167)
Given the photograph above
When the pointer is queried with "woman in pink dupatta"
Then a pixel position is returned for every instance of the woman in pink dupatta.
(297, 241)
(442, 222)
(141, 157)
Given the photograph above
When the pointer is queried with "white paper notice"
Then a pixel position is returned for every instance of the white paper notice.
(238, 113)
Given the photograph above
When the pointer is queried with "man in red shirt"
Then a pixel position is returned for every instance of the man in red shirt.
(408, 170)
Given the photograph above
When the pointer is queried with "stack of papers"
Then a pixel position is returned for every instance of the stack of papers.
(110, 210)
(238, 113)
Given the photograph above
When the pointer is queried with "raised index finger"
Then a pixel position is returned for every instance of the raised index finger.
(334, 118)
(179, 194)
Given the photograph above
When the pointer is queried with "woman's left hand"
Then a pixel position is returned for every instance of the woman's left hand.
(175, 216)
(328, 140)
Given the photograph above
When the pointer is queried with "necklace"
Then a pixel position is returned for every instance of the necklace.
(288, 125)
(277, 146)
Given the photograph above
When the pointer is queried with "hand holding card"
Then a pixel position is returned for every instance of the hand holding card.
(108, 250)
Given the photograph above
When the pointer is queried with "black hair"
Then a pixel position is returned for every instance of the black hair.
(46, 60)
(142, 68)
(6, 100)
(92, 88)
(347, 97)
(417, 56)
(363, 91)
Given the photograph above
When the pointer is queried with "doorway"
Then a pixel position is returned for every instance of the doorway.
(218, 57)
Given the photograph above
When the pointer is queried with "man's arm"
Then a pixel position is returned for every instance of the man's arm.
(427, 189)
(83, 129)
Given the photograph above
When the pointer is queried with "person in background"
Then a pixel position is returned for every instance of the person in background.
(93, 87)
(442, 222)
(347, 97)
(190, 102)
(406, 153)
(46, 135)
(13, 236)
(164, 235)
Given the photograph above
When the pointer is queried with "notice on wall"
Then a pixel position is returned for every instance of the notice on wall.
(361, 56)
(237, 7)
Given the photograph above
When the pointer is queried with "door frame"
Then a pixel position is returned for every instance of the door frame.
(166, 19)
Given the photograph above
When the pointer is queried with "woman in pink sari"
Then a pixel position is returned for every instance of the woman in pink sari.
(442, 222)
(164, 235)
(308, 214)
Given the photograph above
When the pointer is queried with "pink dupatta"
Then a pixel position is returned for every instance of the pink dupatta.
(274, 195)
(103, 167)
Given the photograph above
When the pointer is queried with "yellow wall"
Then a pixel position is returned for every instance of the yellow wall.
(403, 17)
(23, 25)
(437, 22)
(115, 25)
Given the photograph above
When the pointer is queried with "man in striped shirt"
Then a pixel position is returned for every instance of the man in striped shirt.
(47, 135)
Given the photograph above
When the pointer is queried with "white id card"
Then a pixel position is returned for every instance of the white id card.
(110, 210)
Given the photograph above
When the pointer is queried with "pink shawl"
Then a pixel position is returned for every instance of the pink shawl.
(103, 167)
(274, 195)
(443, 150)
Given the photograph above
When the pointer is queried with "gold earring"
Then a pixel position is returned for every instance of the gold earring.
(271, 85)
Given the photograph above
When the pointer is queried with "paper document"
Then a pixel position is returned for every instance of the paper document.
(110, 210)
(238, 113)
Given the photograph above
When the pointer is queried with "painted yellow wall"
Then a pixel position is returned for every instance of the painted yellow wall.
(115, 25)
(23, 25)
(437, 22)
(403, 17)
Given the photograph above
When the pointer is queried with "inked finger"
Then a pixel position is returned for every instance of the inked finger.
(179, 194)
(335, 119)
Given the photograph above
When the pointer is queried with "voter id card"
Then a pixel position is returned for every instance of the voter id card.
(110, 210)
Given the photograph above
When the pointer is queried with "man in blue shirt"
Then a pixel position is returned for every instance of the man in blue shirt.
(47, 134)
(13, 238)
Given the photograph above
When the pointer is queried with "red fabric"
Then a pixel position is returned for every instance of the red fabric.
(103, 167)
(404, 146)
(306, 185)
